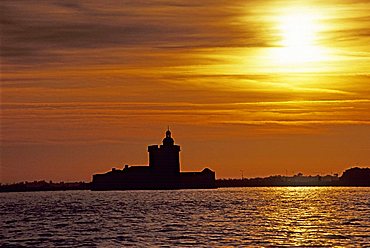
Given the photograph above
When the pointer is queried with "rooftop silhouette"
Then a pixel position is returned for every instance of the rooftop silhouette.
(163, 172)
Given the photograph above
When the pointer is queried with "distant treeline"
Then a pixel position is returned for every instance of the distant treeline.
(351, 177)
(43, 186)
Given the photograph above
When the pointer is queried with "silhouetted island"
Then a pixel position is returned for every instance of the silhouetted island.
(163, 172)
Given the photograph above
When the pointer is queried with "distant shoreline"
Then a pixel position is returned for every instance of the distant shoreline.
(353, 177)
(249, 186)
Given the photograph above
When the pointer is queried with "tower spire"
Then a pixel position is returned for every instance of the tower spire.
(168, 139)
(168, 132)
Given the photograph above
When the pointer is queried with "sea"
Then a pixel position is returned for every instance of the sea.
(235, 217)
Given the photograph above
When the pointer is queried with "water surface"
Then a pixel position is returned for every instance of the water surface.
(271, 216)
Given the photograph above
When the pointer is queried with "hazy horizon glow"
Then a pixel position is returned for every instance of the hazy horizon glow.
(265, 87)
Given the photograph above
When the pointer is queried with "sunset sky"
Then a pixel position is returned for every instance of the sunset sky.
(267, 87)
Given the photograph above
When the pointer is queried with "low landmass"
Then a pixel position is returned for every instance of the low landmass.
(44, 186)
(352, 177)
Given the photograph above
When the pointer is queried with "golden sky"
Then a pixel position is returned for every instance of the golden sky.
(267, 87)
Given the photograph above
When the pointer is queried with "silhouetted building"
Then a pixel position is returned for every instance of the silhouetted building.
(163, 172)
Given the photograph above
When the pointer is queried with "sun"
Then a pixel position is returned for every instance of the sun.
(299, 36)
(298, 30)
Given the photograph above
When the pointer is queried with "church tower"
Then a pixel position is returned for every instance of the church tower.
(165, 159)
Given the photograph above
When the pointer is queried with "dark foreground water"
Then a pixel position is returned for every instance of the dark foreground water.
(276, 216)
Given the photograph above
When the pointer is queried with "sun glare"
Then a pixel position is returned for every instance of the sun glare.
(299, 31)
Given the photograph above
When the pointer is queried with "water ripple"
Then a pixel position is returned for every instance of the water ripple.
(278, 216)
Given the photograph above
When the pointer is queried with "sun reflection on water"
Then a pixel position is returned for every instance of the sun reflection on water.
(302, 218)
(302, 214)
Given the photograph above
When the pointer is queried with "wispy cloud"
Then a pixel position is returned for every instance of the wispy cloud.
(102, 121)
(35, 32)
(103, 71)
